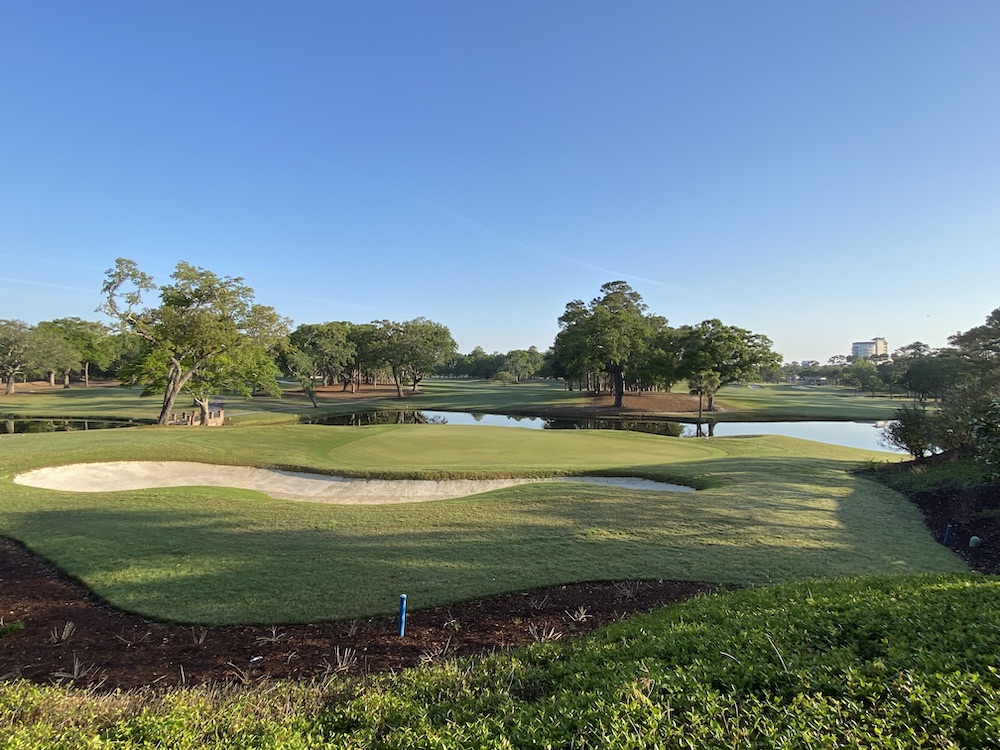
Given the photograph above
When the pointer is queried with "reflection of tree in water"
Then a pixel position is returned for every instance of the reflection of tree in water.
(21, 426)
(367, 418)
(363, 419)
(669, 429)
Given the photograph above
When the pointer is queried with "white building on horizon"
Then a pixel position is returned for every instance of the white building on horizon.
(876, 347)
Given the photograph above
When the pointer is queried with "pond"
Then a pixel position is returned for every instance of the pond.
(864, 435)
(21, 426)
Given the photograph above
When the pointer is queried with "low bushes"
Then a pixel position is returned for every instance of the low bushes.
(889, 662)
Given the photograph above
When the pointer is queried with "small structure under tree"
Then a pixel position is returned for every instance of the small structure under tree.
(206, 336)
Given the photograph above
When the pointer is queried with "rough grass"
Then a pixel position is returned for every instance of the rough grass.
(769, 509)
(868, 662)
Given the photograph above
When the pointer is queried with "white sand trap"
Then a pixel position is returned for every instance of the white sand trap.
(287, 485)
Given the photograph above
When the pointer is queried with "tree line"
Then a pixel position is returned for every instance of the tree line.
(614, 337)
(960, 381)
(204, 335)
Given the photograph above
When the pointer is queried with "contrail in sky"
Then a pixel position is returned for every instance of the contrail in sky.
(316, 299)
(41, 283)
(541, 251)
(43, 259)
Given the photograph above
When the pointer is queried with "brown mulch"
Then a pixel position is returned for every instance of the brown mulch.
(971, 513)
(70, 635)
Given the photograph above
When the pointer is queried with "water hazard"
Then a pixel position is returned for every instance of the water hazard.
(22, 426)
(864, 435)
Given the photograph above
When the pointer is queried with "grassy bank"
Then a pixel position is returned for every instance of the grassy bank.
(870, 662)
(769, 509)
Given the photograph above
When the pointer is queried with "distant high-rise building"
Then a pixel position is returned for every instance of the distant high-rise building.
(874, 348)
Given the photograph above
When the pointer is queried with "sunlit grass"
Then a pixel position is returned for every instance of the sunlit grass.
(782, 401)
(769, 509)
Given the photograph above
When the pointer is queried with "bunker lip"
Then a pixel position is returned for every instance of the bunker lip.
(289, 485)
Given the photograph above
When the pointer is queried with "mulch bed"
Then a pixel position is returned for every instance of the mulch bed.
(971, 513)
(70, 635)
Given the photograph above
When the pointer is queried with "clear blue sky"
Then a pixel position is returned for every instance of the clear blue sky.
(819, 172)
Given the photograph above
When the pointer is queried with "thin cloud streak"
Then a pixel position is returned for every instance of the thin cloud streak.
(541, 251)
(26, 282)
(284, 294)
(53, 261)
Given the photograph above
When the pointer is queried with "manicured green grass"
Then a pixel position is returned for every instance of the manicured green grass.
(765, 402)
(782, 401)
(869, 662)
(769, 509)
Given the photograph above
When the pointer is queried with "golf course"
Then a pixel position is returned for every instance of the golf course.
(786, 526)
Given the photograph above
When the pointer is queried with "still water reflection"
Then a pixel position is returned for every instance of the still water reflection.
(864, 435)
(20, 426)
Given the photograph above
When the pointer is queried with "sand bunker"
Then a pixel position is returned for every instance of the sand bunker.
(287, 485)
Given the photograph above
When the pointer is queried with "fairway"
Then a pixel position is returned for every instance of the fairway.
(768, 509)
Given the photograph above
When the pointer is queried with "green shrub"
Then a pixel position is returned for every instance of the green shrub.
(894, 662)
(986, 433)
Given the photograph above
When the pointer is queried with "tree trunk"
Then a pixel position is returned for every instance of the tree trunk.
(203, 408)
(86, 374)
(52, 378)
(399, 385)
(174, 385)
(10, 385)
(65, 379)
(618, 384)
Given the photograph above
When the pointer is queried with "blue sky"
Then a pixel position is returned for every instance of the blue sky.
(819, 172)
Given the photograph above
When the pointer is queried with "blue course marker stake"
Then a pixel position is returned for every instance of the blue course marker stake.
(947, 535)
(402, 615)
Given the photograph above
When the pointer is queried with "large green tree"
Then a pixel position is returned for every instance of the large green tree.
(206, 334)
(15, 351)
(50, 354)
(523, 363)
(413, 349)
(33, 350)
(92, 340)
(367, 362)
(328, 346)
(734, 354)
(610, 334)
